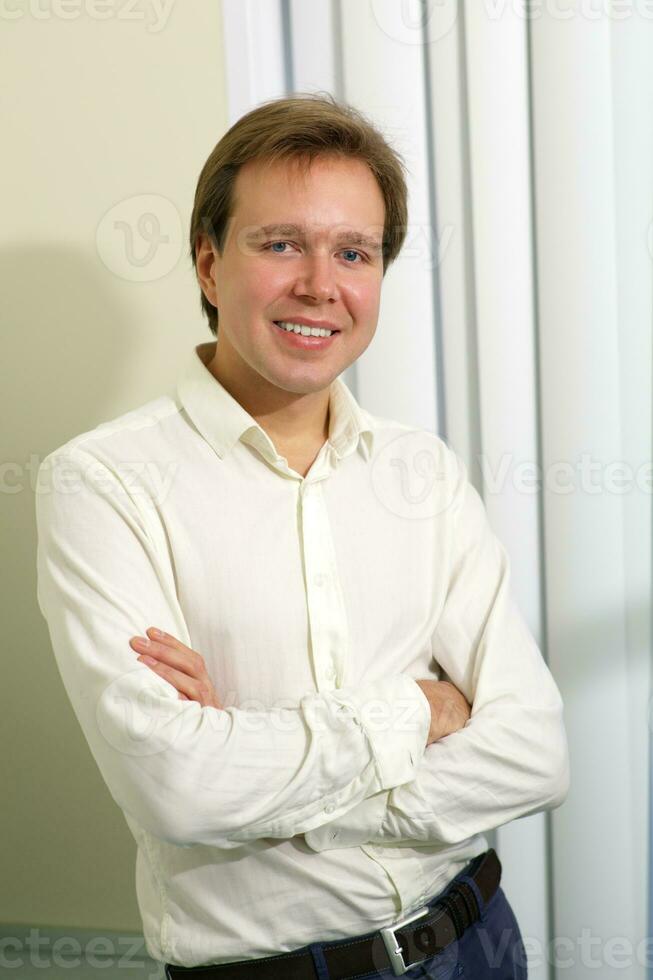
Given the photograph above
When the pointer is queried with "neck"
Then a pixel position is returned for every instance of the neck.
(296, 423)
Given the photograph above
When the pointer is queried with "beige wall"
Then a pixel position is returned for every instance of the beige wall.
(94, 113)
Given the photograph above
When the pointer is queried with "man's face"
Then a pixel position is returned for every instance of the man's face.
(322, 274)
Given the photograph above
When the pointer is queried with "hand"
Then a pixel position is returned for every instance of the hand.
(178, 664)
(449, 709)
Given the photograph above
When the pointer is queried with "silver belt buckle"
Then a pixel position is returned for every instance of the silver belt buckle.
(397, 962)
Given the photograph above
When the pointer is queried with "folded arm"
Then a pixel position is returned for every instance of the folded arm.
(187, 773)
(511, 757)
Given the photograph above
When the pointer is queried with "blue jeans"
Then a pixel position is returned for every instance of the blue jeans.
(490, 949)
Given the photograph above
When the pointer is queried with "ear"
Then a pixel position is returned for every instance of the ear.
(205, 257)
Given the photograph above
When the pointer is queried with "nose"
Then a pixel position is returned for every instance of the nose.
(316, 279)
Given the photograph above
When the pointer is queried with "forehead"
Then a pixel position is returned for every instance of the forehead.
(333, 192)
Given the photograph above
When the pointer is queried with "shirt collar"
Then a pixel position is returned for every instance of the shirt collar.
(223, 421)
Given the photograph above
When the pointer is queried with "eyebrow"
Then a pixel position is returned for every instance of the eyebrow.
(283, 230)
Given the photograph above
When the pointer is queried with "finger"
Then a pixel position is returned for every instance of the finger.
(179, 680)
(194, 690)
(166, 654)
(160, 636)
(172, 643)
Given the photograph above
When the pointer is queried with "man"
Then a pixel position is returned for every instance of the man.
(297, 755)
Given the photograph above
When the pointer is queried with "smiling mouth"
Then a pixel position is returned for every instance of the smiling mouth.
(300, 332)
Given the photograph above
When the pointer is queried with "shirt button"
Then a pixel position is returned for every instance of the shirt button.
(330, 673)
(319, 579)
(343, 708)
(329, 808)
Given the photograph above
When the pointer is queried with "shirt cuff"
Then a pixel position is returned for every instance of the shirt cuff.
(395, 715)
(357, 827)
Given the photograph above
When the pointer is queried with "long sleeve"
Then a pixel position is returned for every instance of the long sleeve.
(190, 774)
(511, 758)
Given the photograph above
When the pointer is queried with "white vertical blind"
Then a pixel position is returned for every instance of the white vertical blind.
(599, 864)
(315, 49)
(447, 85)
(632, 75)
(254, 53)
(502, 263)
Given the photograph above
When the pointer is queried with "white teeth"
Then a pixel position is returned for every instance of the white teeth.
(303, 330)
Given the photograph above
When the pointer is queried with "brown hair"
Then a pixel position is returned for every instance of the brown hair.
(300, 127)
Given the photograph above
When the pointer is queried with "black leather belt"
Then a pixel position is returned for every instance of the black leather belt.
(418, 936)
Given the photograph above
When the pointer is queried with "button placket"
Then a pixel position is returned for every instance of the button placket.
(327, 621)
(403, 874)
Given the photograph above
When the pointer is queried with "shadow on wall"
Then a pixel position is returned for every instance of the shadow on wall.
(71, 353)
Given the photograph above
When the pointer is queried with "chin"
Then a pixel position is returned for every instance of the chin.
(303, 385)
(306, 388)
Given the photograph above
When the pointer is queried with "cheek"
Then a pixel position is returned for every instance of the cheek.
(364, 299)
(264, 288)
(252, 282)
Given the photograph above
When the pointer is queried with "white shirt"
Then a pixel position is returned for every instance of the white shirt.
(309, 808)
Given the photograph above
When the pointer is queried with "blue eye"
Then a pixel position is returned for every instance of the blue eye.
(350, 251)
